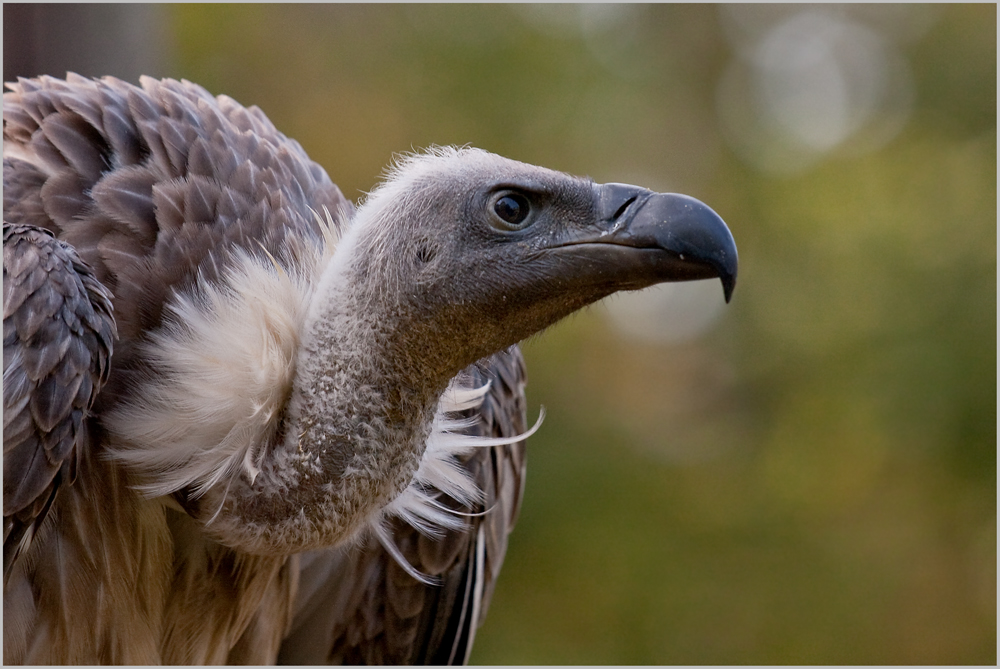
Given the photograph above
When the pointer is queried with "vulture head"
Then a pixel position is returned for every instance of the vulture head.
(479, 252)
(465, 253)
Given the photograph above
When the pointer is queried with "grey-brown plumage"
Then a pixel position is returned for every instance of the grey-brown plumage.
(58, 337)
(270, 461)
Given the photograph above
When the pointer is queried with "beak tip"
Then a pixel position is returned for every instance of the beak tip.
(728, 285)
(727, 275)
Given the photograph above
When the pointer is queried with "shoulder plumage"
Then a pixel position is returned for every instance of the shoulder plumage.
(155, 183)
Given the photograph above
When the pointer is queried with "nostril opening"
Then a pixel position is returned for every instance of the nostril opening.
(621, 209)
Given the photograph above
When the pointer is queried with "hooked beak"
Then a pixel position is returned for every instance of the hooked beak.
(692, 240)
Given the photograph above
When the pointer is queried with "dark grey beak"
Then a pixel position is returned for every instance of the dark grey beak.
(696, 241)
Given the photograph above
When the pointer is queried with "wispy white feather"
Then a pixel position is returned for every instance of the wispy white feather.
(225, 361)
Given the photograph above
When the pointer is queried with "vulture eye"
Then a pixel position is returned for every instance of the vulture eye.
(512, 209)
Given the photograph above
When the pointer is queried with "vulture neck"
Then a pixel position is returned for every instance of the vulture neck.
(366, 389)
(367, 385)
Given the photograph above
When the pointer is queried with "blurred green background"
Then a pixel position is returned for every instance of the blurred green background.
(807, 475)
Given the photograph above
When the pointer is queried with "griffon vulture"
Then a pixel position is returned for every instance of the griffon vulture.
(245, 422)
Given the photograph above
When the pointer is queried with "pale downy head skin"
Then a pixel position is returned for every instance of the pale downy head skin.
(300, 400)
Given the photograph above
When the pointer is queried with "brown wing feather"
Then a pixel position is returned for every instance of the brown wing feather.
(358, 606)
(58, 332)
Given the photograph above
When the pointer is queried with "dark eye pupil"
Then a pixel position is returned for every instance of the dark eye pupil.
(513, 208)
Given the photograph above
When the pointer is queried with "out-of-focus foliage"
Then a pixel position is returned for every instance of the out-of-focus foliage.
(813, 480)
